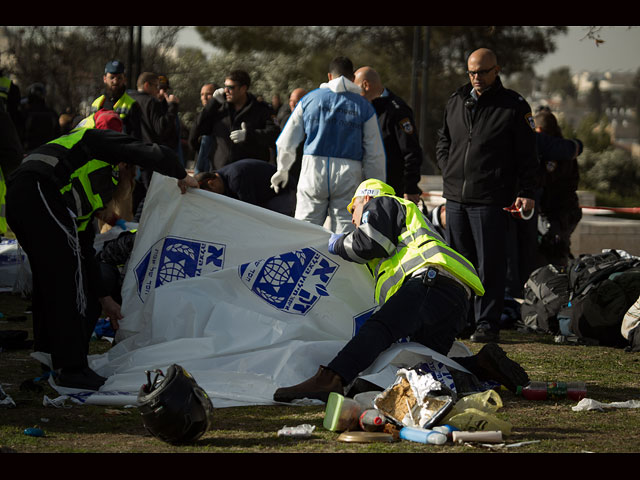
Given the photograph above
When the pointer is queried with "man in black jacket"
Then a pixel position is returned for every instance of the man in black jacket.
(249, 180)
(158, 124)
(242, 126)
(399, 134)
(487, 153)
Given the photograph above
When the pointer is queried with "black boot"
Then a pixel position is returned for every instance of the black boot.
(317, 387)
(80, 378)
(492, 363)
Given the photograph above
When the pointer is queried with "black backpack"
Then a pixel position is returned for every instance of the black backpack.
(545, 293)
(595, 314)
(587, 270)
(584, 303)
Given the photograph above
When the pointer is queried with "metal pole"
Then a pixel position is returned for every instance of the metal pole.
(414, 69)
(130, 59)
(139, 55)
(427, 165)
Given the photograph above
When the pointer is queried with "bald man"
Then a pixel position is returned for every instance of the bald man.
(399, 134)
(487, 154)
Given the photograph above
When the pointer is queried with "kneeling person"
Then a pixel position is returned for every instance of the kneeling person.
(423, 286)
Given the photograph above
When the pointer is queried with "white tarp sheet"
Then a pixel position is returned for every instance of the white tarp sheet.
(245, 299)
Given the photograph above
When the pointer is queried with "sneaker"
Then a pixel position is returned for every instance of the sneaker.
(84, 379)
(484, 335)
(492, 363)
(318, 387)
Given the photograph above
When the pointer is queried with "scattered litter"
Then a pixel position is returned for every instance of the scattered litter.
(115, 411)
(341, 413)
(34, 432)
(58, 402)
(423, 435)
(371, 420)
(501, 446)
(415, 399)
(590, 404)
(365, 437)
(5, 400)
(307, 402)
(44, 420)
(301, 431)
(482, 436)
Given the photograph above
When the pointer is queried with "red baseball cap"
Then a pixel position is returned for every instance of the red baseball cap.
(108, 120)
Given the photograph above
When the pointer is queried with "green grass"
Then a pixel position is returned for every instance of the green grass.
(611, 375)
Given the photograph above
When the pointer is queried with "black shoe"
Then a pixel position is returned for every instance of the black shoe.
(82, 379)
(484, 335)
(317, 387)
(492, 363)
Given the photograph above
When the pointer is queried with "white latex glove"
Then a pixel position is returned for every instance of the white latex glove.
(279, 180)
(219, 95)
(238, 136)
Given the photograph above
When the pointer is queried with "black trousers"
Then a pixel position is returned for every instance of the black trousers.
(58, 326)
(479, 233)
(432, 316)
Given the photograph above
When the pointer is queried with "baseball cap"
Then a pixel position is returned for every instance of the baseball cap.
(372, 187)
(114, 66)
(107, 120)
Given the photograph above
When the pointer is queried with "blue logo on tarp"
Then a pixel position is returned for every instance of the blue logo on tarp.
(292, 282)
(175, 258)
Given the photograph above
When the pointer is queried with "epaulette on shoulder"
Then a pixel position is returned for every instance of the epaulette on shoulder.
(515, 95)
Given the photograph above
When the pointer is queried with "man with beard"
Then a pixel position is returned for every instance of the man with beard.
(116, 98)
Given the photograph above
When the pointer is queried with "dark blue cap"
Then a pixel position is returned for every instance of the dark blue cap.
(114, 66)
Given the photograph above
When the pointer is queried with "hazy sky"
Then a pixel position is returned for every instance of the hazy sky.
(620, 50)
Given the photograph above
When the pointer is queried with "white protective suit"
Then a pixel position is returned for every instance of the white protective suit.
(343, 146)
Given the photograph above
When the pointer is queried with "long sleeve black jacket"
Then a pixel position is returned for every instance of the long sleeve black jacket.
(401, 144)
(487, 154)
(220, 120)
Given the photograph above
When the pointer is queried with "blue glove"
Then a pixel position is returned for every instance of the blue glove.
(332, 241)
(121, 223)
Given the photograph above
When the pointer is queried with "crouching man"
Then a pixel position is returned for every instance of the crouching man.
(423, 286)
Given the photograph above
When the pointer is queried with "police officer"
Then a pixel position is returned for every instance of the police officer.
(52, 198)
(487, 154)
(422, 285)
(399, 134)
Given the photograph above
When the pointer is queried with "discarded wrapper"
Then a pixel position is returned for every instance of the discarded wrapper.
(590, 404)
(301, 431)
(414, 400)
(5, 400)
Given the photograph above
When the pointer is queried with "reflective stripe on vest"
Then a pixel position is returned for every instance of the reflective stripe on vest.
(122, 107)
(5, 85)
(418, 246)
(83, 192)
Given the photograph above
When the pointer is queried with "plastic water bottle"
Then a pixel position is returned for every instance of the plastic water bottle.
(553, 390)
(372, 420)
